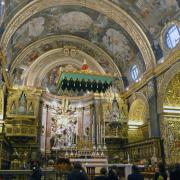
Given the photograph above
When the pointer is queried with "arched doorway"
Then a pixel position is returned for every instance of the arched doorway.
(137, 121)
(170, 123)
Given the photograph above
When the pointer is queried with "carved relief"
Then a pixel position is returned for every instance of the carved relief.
(22, 103)
(137, 121)
(172, 97)
(1, 104)
(170, 123)
(171, 137)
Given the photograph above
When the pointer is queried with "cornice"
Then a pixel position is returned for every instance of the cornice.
(103, 6)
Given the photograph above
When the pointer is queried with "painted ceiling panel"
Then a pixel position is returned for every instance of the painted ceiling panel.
(81, 22)
(88, 24)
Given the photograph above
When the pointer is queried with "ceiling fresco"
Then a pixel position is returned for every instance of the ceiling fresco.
(12, 6)
(81, 22)
(77, 21)
(152, 14)
(55, 42)
(92, 26)
(51, 80)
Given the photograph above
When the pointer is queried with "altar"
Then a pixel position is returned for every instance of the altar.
(93, 166)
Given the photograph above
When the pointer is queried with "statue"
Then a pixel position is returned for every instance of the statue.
(65, 133)
(59, 137)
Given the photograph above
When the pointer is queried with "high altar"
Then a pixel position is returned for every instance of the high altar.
(82, 118)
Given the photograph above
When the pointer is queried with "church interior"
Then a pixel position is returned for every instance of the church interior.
(95, 81)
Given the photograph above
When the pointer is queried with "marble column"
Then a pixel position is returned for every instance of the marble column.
(152, 100)
(43, 127)
(95, 121)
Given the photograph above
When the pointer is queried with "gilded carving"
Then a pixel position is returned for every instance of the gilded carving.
(22, 112)
(171, 137)
(170, 123)
(22, 103)
(1, 104)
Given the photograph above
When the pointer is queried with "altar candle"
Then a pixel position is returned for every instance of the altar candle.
(128, 158)
(101, 133)
(104, 133)
(97, 134)
(92, 133)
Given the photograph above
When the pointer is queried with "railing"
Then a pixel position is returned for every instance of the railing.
(26, 174)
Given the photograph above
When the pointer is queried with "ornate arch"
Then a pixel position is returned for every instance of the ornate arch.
(141, 96)
(103, 6)
(167, 77)
(99, 53)
(137, 119)
(138, 112)
(43, 65)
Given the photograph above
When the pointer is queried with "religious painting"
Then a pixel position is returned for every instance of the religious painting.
(77, 21)
(51, 80)
(17, 76)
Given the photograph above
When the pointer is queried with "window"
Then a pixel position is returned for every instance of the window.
(134, 73)
(2, 5)
(172, 36)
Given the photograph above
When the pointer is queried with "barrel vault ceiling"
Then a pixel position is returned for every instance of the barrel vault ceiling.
(95, 32)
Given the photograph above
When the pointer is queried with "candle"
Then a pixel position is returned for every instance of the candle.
(92, 131)
(97, 134)
(104, 133)
(101, 133)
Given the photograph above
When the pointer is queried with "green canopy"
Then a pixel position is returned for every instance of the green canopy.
(84, 80)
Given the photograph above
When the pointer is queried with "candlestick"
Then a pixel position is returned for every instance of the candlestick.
(128, 158)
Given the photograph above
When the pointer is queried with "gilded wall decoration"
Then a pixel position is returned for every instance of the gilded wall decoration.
(172, 96)
(1, 103)
(166, 78)
(137, 120)
(170, 123)
(22, 103)
(171, 138)
(22, 113)
(110, 131)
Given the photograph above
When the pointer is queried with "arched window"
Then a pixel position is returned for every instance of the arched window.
(172, 36)
(2, 8)
(134, 72)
